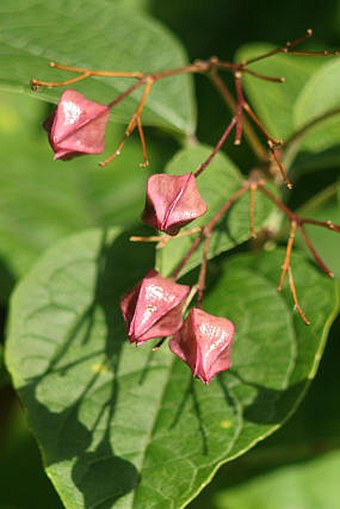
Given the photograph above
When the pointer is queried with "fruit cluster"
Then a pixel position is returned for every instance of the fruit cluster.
(155, 307)
(159, 307)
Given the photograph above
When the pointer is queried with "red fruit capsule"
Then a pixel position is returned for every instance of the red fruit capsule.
(204, 343)
(172, 201)
(153, 308)
(77, 126)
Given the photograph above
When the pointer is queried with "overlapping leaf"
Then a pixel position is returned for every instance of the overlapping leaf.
(102, 36)
(323, 85)
(127, 428)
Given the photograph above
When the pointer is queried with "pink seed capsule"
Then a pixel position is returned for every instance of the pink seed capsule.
(172, 201)
(77, 126)
(153, 308)
(204, 343)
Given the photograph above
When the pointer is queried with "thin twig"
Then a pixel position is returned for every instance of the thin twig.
(203, 271)
(132, 125)
(314, 252)
(281, 49)
(286, 262)
(218, 147)
(293, 292)
(208, 228)
(249, 132)
(240, 105)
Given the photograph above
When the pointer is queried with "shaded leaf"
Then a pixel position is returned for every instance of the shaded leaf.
(308, 485)
(103, 36)
(125, 427)
(216, 184)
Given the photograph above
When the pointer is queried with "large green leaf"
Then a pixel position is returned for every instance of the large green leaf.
(216, 184)
(127, 428)
(100, 35)
(309, 485)
(320, 97)
(274, 102)
(43, 200)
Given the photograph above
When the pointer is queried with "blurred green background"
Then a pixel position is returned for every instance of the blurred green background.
(303, 459)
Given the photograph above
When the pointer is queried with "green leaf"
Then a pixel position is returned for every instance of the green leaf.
(140, 5)
(308, 485)
(216, 184)
(319, 98)
(43, 200)
(325, 206)
(103, 36)
(274, 102)
(127, 428)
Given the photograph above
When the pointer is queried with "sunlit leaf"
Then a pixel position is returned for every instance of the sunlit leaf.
(126, 427)
(104, 36)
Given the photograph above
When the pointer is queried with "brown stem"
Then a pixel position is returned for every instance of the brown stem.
(162, 240)
(299, 222)
(279, 165)
(216, 149)
(203, 271)
(199, 66)
(133, 123)
(125, 94)
(293, 292)
(187, 256)
(92, 72)
(253, 116)
(282, 49)
(145, 164)
(294, 217)
(212, 223)
(314, 252)
(273, 144)
(327, 224)
(323, 53)
(286, 262)
(35, 84)
(277, 201)
(264, 77)
(208, 228)
(249, 132)
(240, 104)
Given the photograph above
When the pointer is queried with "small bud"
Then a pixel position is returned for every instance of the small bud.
(172, 201)
(153, 308)
(204, 343)
(77, 126)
